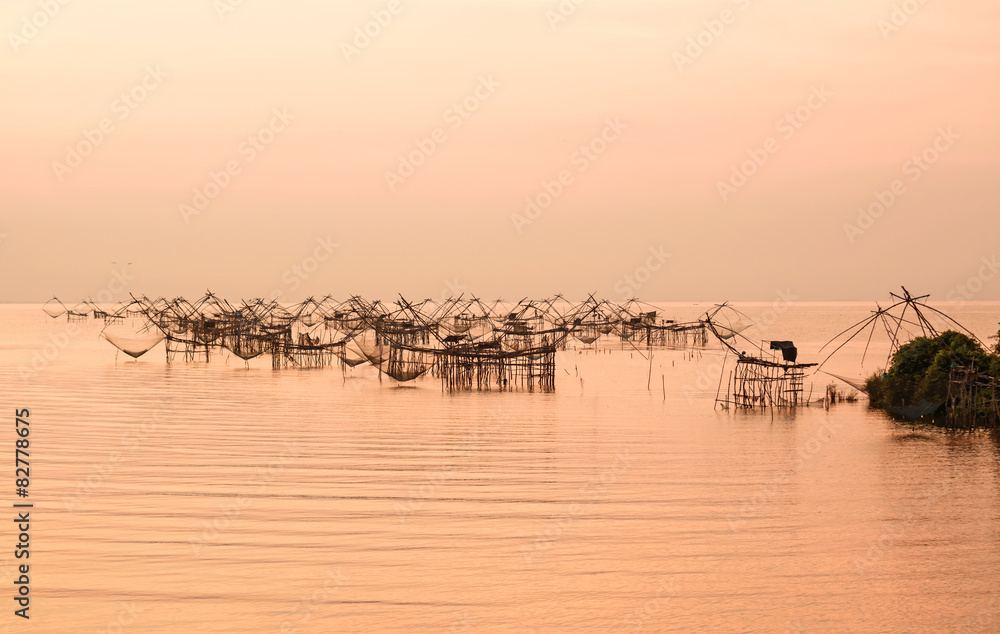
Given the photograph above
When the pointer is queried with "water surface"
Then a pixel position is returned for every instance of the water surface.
(233, 498)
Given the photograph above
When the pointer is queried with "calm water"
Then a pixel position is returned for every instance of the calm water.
(227, 498)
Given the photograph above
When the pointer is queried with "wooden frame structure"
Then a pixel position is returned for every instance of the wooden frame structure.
(973, 400)
(759, 380)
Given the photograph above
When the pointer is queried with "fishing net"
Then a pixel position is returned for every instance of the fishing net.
(133, 341)
(406, 365)
(371, 348)
(54, 308)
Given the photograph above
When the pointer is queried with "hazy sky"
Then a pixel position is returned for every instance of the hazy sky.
(647, 112)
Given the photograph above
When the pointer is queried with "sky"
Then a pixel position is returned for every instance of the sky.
(747, 150)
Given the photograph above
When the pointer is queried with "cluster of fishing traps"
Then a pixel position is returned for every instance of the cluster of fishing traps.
(468, 344)
(471, 345)
(970, 398)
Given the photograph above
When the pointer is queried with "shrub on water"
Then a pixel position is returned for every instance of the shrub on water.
(921, 369)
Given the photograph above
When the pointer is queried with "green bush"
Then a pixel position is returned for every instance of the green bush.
(920, 369)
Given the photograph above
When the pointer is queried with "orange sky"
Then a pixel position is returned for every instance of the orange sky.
(494, 100)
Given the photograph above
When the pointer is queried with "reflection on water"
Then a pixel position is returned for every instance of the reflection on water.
(231, 498)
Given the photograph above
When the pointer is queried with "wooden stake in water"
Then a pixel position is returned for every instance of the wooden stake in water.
(649, 378)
